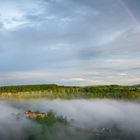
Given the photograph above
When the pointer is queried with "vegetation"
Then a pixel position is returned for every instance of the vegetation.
(54, 91)
(53, 127)
(50, 119)
(48, 126)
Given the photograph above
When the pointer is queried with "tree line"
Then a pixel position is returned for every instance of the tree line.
(56, 91)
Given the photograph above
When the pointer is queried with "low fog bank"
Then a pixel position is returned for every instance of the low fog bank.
(93, 113)
(84, 114)
(13, 124)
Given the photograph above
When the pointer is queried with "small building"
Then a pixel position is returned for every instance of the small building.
(32, 115)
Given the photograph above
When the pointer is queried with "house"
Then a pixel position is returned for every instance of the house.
(32, 115)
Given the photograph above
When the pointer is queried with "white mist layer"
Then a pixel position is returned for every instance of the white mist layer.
(95, 113)
(13, 124)
(85, 114)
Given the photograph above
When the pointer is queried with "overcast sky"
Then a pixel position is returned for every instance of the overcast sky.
(70, 42)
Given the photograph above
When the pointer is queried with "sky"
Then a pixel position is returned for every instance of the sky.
(70, 42)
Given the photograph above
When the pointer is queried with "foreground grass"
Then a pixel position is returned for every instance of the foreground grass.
(69, 92)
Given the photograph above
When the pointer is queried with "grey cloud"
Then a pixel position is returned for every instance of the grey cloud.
(64, 34)
(1, 24)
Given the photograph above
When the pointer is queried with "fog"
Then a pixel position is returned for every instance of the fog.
(13, 124)
(83, 114)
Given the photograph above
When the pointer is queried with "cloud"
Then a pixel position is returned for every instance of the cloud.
(24, 75)
(76, 79)
(49, 35)
(110, 38)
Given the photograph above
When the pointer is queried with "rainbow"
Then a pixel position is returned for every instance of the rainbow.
(130, 13)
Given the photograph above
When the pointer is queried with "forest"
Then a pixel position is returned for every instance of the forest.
(52, 91)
